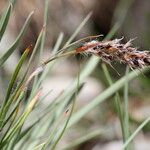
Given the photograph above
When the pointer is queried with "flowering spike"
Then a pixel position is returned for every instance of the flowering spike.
(115, 50)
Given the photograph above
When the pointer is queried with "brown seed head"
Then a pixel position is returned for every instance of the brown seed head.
(114, 50)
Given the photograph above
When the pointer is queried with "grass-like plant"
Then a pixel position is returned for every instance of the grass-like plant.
(45, 131)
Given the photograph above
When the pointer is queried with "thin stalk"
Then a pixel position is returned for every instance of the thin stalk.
(44, 32)
(135, 133)
(116, 99)
(58, 56)
(126, 108)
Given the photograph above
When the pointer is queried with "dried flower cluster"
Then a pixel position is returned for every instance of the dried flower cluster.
(115, 50)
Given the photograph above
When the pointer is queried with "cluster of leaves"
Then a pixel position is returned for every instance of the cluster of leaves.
(47, 125)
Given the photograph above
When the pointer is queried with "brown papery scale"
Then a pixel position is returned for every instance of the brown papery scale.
(114, 50)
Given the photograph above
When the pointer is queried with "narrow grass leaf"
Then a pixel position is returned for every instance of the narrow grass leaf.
(45, 24)
(61, 107)
(50, 65)
(15, 74)
(31, 59)
(126, 109)
(116, 98)
(135, 133)
(67, 100)
(13, 109)
(8, 100)
(36, 48)
(103, 96)
(14, 115)
(22, 118)
(4, 21)
(17, 41)
(25, 132)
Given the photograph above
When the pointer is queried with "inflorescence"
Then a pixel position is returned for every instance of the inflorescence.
(114, 50)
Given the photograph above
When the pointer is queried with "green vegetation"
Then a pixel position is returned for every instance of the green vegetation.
(46, 130)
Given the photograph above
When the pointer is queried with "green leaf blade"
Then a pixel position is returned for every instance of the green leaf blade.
(17, 41)
(4, 20)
